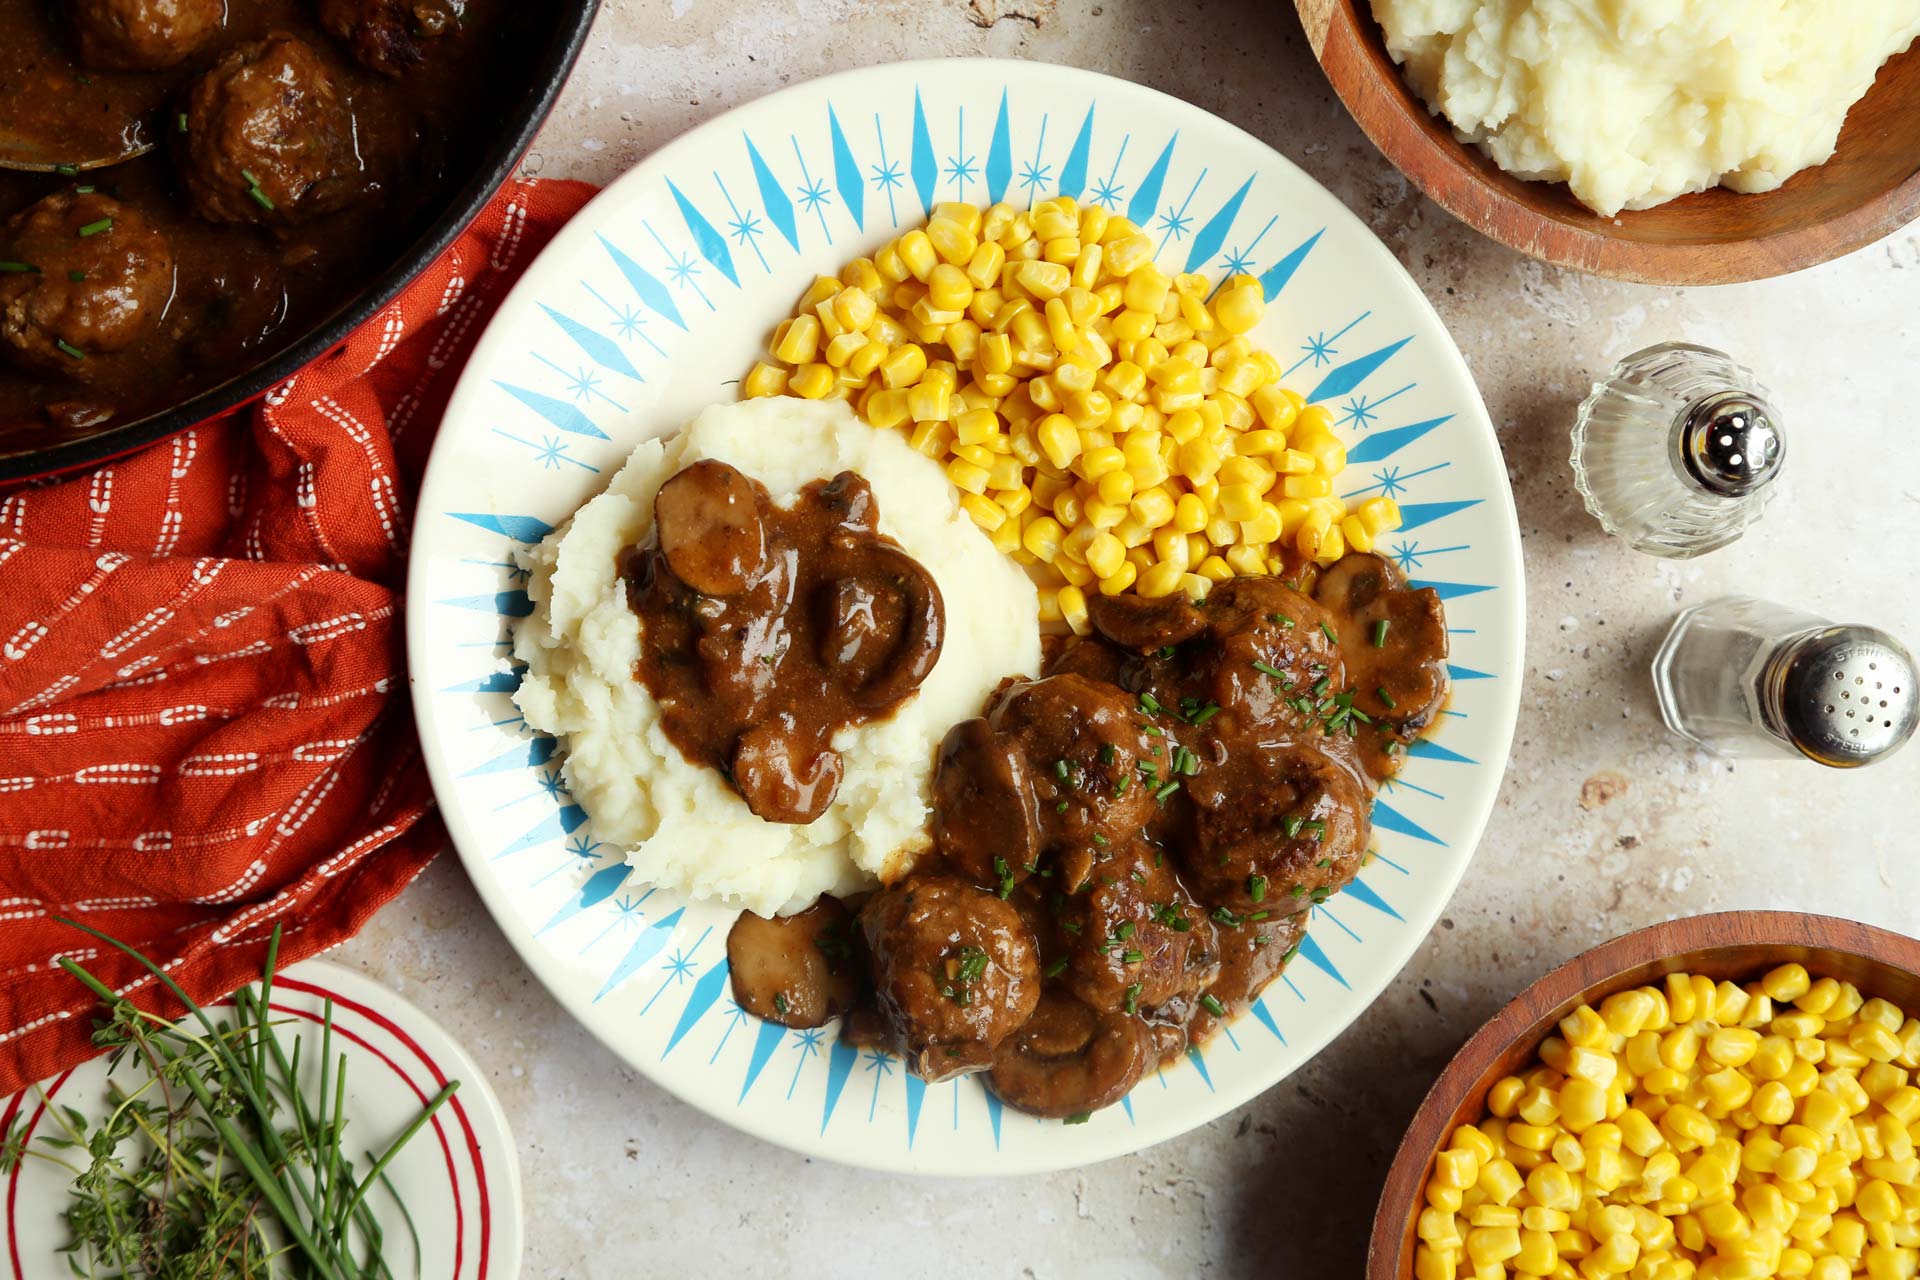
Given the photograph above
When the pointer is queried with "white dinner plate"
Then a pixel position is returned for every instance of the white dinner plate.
(655, 300)
(459, 1176)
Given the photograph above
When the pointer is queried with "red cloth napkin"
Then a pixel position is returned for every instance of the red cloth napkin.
(204, 720)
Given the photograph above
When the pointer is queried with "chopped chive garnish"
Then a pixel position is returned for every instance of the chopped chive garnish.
(95, 228)
(1106, 753)
(1060, 770)
(1120, 787)
(1262, 939)
(70, 349)
(973, 963)
(1079, 1117)
(85, 191)
(1292, 823)
(1132, 957)
(1321, 686)
(1299, 891)
(1123, 930)
(1001, 870)
(779, 1003)
(260, 197)
(1292, 951)
(1133, 996)
(1380, 634)
(1316, 826)
(1213, 1006)
(1257, 888)
(1386, 697)
(1151, 703)
(1326, 629)
(1058, 967)
(76, 276)
(1071, 926)
(1226, 917)
(1061, 807)
(1166, 791)
(17, 268)
(180, 122)
(67, 170)
(1099, 839)
(1258, 916)
(1268, 669)
(1206, 713)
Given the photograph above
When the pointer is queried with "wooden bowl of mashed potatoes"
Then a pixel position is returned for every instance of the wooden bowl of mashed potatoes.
(1627, 123)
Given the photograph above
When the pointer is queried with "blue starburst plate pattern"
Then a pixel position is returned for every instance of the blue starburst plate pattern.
(650, 305)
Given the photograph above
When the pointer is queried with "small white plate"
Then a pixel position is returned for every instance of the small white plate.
(655, 301)
(459, 1176)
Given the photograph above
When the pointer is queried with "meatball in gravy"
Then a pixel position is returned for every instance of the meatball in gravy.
(267, 136)
(97, 278)
(144, 35)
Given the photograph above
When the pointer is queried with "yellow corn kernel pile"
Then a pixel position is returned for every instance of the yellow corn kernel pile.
(1106, 424)
(1696, 1131)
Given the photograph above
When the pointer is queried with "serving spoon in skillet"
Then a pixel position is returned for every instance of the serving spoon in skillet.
(47, 126)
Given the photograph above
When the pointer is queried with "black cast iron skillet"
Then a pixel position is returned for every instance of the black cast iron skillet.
(547, 73)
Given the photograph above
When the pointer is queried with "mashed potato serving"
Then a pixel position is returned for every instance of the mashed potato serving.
(683, 826)
(1634, 102)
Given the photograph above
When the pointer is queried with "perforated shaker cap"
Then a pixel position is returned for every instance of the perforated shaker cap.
(1848, 696)
(1731, 444)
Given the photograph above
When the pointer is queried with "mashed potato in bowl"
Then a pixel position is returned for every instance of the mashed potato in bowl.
(683, 825)
(1634, 102)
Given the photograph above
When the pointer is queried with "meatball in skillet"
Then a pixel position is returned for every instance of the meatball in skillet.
(955, 971)
(385, 35)
(99, 278)
(268, 137)
(144, 35)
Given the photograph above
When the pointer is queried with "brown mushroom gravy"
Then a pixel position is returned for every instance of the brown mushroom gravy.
(1127, 849)
(768, 629)
(292, 151)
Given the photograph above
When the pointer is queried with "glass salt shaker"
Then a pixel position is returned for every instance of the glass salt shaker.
(1742, 677)
(1676, 451)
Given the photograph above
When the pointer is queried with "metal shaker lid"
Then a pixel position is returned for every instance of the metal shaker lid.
(1730, 443)
(1848, 695)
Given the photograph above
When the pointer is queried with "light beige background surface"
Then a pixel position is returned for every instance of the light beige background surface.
(1605, 823)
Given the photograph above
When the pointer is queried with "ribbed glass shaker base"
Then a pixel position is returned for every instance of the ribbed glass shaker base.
(1625, 463)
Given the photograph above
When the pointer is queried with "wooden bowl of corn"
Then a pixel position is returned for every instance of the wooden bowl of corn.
(1725, 1097)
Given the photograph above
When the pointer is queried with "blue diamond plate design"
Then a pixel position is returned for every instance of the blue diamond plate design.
(1361, 891)
(999, 171)
(562, 823)
(1315, 955)
(712, 246)
(507, 604)
(560, 413)
(1207, 241)
(1073, 174)
(519, 528)
(601, 349)
(1265, 1015)
(600, 886)
(1428, 749)
(1452, 590)
(779, 208)
(765, 1041)
(528, 755)
(840, 1060)
(922, 164)
(1344, 378)
(1415, 514)
(652, 940)
(1146, 201)
(1282, 271)
(846, 173)
(1384, 444)
(699, 1000)
(496, 682)
(1388, 818)
(916, 1098)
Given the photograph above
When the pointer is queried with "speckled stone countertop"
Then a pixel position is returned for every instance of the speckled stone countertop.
(1605, 823)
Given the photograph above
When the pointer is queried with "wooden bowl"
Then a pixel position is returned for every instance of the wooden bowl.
(1739, 945)
(1869, 189)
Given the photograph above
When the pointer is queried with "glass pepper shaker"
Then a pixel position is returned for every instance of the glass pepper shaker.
(1676, 450)
(1742, 677)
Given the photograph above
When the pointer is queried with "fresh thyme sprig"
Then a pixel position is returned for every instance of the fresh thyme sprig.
(217, 1166)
